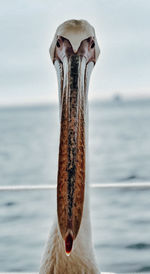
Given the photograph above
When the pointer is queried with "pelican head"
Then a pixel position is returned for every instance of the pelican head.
(74, 52)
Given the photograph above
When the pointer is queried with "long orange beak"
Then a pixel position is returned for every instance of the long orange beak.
(71, 170)
(71, 166)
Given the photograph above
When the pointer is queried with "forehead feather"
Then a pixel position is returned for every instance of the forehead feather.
(75, 31)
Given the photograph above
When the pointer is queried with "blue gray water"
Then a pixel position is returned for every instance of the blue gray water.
(119, 151)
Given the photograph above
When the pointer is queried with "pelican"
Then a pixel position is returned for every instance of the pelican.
(69, 250)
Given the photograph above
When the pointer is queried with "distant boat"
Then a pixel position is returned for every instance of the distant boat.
(117, 98)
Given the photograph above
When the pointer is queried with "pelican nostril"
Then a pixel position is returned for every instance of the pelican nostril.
(58, 44)
(93, 45)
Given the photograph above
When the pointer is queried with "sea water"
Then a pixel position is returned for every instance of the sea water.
(119, 151)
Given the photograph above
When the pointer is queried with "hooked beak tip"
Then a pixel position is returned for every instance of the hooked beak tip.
(68, 242)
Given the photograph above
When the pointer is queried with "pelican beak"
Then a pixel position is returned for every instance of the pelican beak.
(73, 73)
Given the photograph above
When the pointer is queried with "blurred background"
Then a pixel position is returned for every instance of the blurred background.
(119, 130)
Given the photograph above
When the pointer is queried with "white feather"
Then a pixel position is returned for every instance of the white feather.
(75, 31)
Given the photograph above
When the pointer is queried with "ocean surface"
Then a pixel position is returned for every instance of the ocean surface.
(119, 151)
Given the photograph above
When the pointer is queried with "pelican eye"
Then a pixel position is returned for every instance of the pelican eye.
(93, 45)
(58, 44)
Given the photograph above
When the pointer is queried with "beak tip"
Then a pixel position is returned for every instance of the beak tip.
(68, 254)
(68, 242)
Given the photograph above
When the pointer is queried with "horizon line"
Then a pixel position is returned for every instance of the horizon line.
(116, 97)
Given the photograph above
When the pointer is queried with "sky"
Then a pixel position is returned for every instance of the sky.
(27, 27)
